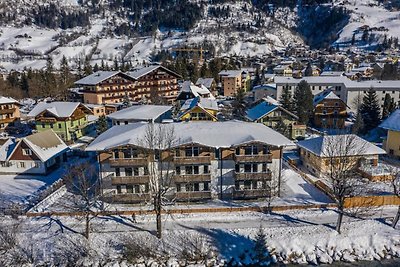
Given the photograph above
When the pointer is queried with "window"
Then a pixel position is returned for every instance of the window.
(136, 171)
(128, 171)
(116, 154)
(264, 167)
(188, 169)
(238, 151)
(26, 152)
(22, 164)
(247, 167)
(59, 126)
(129, 189)
(206, 169)
(119, 191)
(127, 153)
(195, 169)
(196, 187)
(117, 172)
(255, 167)
(177, 152)
(217, 153)
(247, 150)
(178, 170)
(207, 186)
(191, 151)
(255, 150)
(265, 150)
(237, 168)
(178, 188)
(247, 185)
(43, 126)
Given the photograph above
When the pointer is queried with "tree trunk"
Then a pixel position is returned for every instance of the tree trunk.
(158, 215)
(396, 219)
(339, 219)
(87, 226)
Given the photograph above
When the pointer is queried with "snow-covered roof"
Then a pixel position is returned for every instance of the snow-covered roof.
(58, 109)
(6, 148)
(332, 73)
(271, 86)
(230, 73)
(212, 134)
(205, 103)
(327, 94)
(97, 77)
(392, 122)
(45, 145)
(140, 113)
(260, 110)
(189, 87)
(136, 74)
(330, 145)
(207, 82)
(7, 100)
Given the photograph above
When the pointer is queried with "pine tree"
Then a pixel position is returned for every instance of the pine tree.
(239, 105)
(303, 99)
(261, 254)
(281, 127)
(308, 71)
(388, 107)
(370, 111)
(101, 125)
(358, 123)
(286, 99)
(87, 68)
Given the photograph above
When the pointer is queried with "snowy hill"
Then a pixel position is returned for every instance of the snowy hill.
(108, 30)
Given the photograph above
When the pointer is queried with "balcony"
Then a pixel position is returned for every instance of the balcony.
(254, 158)
(192, 160)
(141, 179)
(194, 195)
(192, 178)
(130, 198)
(7, 111)
(257, 176)
(128, 162)
(250, 193)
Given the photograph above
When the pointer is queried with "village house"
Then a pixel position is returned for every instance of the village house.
(208, 160)
(39, 153)
(330, 112)
(9, 112)
(105, 87)
(189, 90)
(231, 81)
(145, 113)
(392, 142)
(283, 70)
(97, 110)
(317, 153)
(199, 109)
(270, 113)
(209, 83)
(155, 84)
(264, 90)
(69, 120)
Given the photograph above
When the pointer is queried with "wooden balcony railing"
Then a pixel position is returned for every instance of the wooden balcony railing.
(250, 193)
(263, 176)
(129, 162)
(7, 111)
(194, 195)
(192, 160)
(130, 198)
(254, 158)
(141, 179)
(192, 178)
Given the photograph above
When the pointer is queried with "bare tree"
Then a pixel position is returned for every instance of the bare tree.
(271, 188)
(82, 181)
(396, 190)
(158, 143)
(342, 155)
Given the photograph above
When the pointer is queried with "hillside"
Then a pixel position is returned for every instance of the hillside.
(103, 31)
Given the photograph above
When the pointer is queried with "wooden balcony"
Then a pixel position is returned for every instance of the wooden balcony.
(254, 158)
(7, 111)
(192, 160)
(192, 178)
(195, 195)
(251, 193)
(130, 198)
(141, 179)
(257, 176)
(129, 162)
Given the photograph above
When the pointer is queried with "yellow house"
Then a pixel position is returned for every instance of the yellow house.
(392, 142)
(199, 109)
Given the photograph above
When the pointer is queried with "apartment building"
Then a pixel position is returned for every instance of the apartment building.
(231, 81)
(9, 111)
(208, 160)
(107, 87)
(330, 112)
(351, 92)
(69, 120)
(155, 82)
